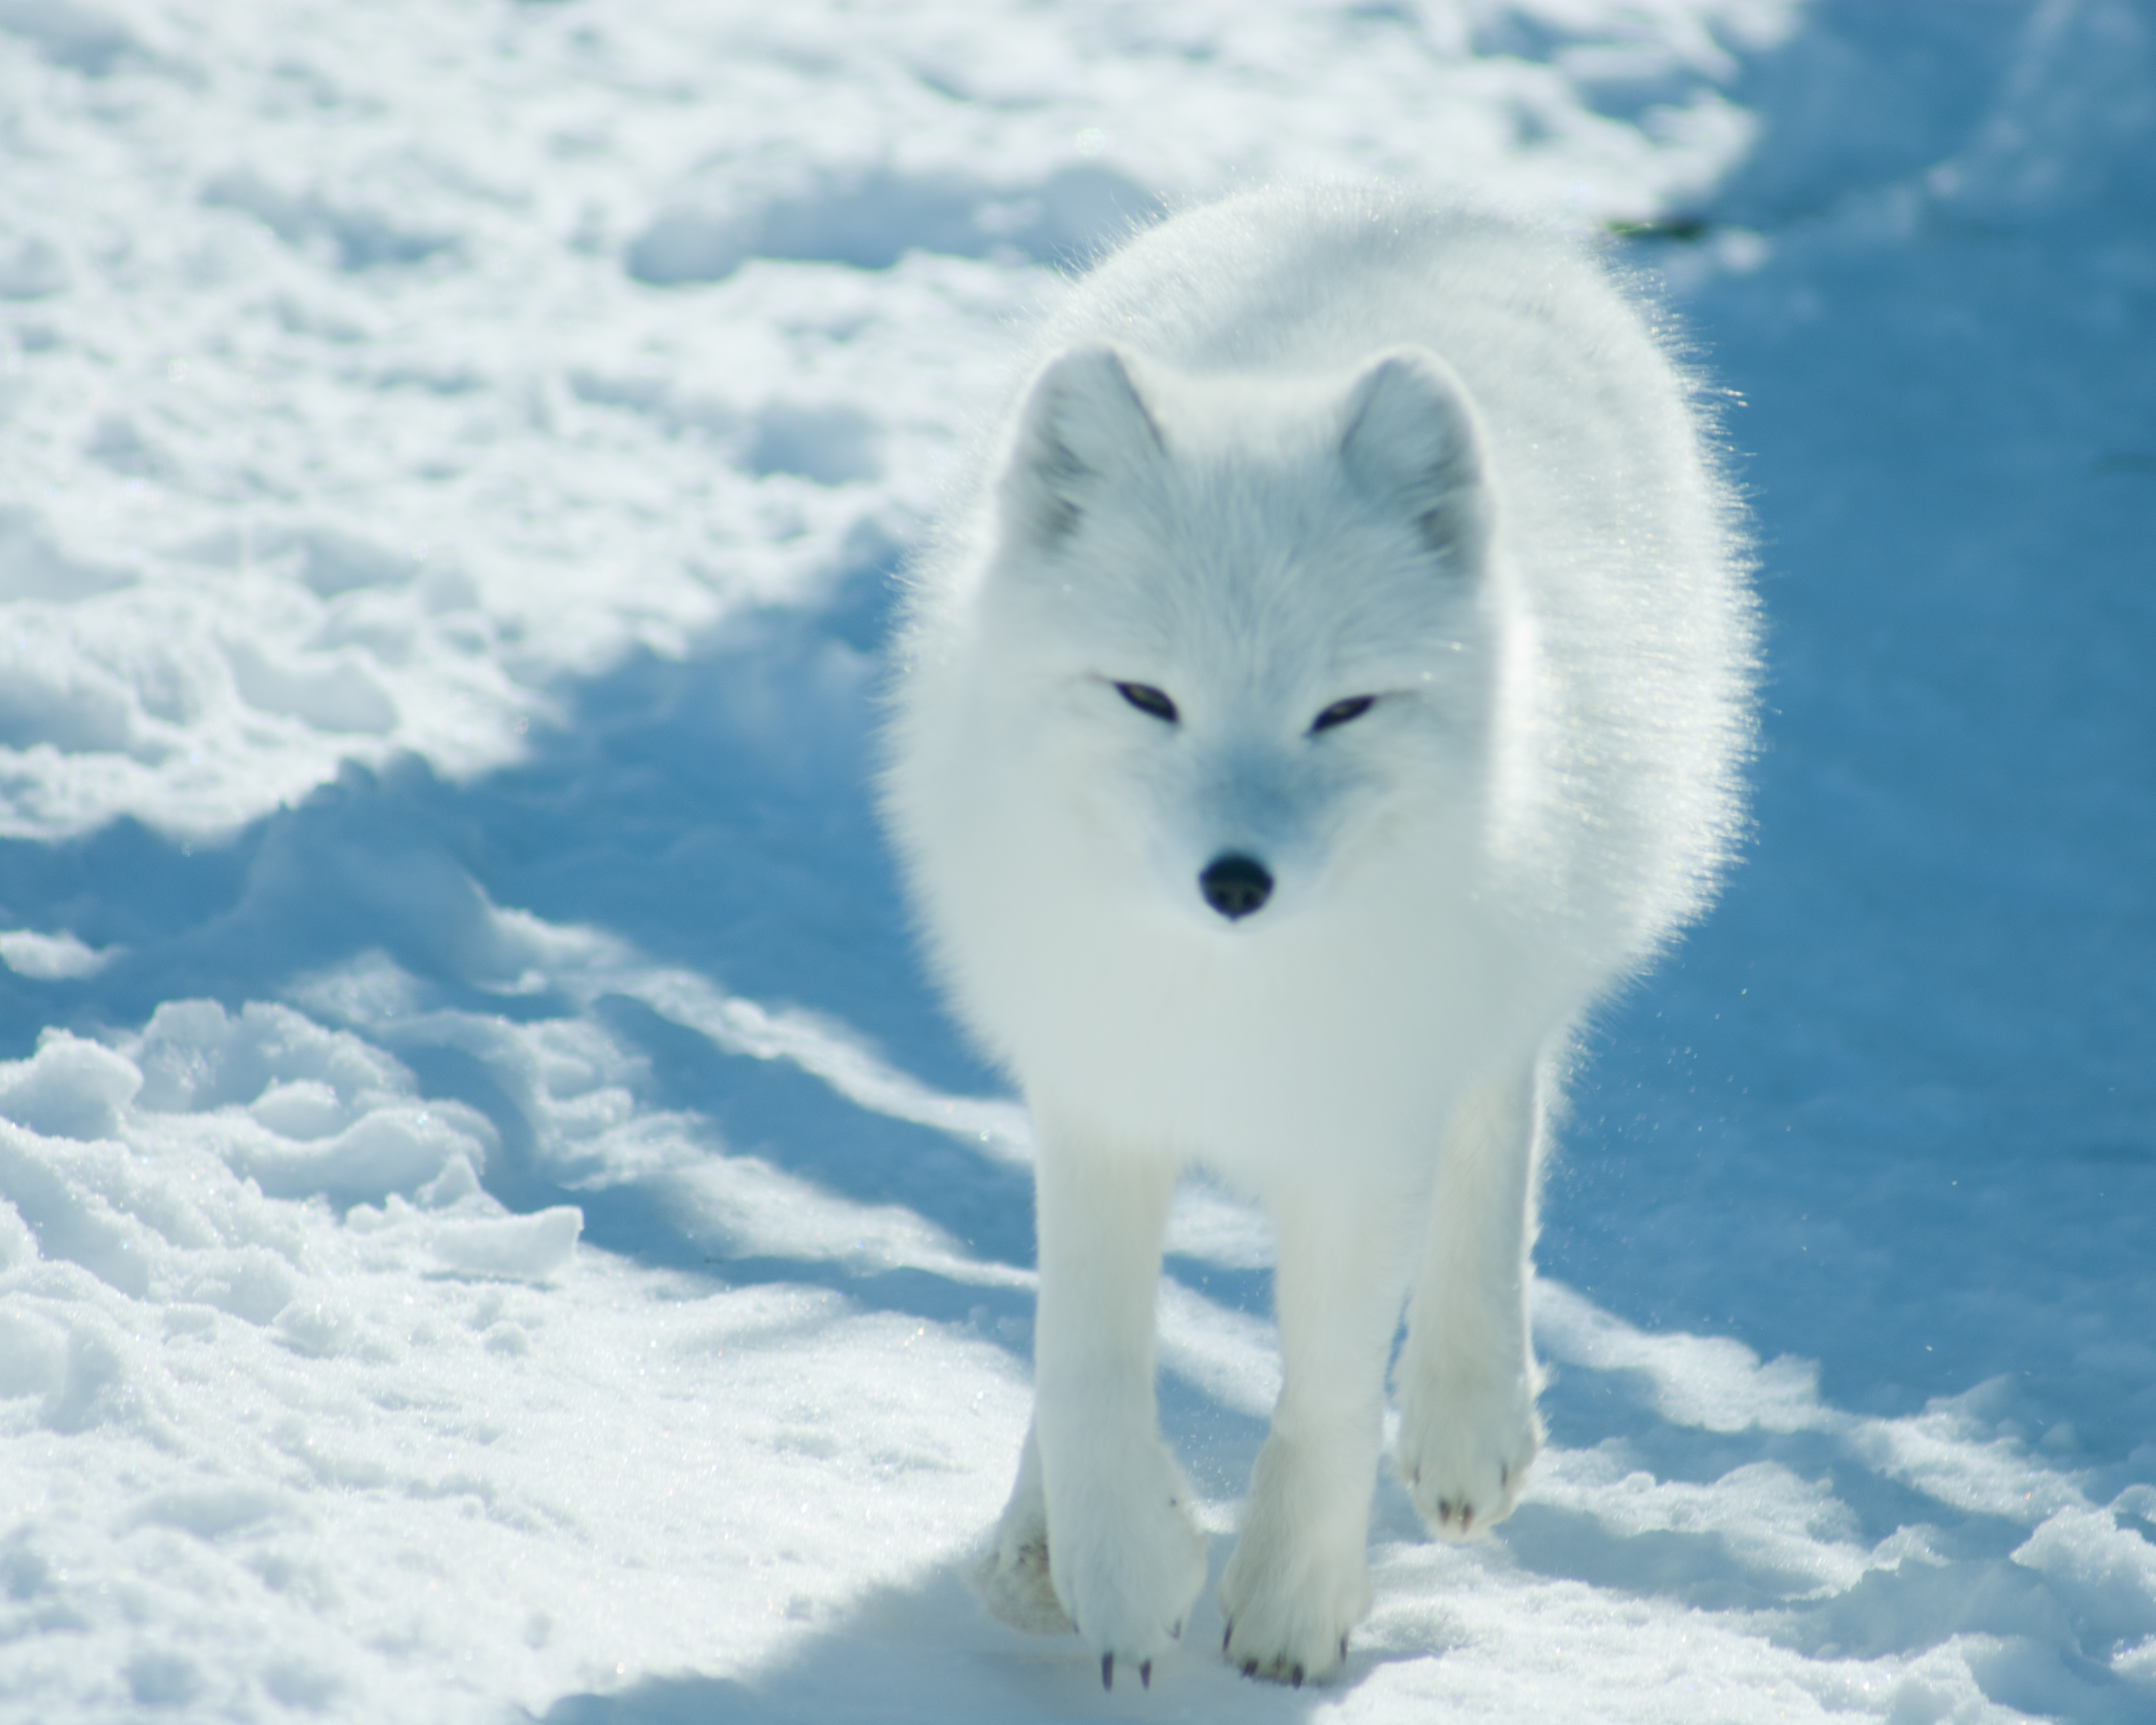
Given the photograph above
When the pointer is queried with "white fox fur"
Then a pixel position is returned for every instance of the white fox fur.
(1367, 557)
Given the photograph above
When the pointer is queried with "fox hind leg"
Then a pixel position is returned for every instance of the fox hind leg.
(1013, 1576)
(1467, 1377)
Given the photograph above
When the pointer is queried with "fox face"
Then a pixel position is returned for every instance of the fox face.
(1236, 883)
(1250, 624)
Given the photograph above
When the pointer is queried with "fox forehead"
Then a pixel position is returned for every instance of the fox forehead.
(1249, 575)
(1279, 536)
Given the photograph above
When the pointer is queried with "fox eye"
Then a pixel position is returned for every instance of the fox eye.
(1149, 700)
(1340, 711)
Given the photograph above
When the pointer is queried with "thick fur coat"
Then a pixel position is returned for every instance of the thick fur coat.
(1339, 677)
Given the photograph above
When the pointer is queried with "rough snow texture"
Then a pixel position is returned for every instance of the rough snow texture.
(491, 1225)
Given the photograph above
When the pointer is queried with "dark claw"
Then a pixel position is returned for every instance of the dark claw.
(1445, 1511)
(1504, 1475)
(1228, 1634)
(1295, 1677)
(1343, 1650)
(1107, 1671)
(1466, 1516)
(1145, 1674)
(1250, 1668)
(1176, 1633)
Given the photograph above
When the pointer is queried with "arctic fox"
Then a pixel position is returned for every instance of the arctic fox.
(1340, 677)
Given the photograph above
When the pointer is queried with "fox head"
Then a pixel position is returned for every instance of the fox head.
(1247, 623)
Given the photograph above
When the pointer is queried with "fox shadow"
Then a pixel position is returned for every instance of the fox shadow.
(925, 1649)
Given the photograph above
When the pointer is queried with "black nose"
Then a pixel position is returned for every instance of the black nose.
(1236, 885)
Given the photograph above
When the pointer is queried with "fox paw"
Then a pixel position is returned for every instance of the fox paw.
(1012, 1575)
(1013, 1582)
(1290, 1623)
(1127, 1573)
(1464, 1452)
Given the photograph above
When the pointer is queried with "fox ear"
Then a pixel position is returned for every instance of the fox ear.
(1407, 439)
(1083, 424)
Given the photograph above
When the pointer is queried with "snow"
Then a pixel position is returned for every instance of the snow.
(492, 1222)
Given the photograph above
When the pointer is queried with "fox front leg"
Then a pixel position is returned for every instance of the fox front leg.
(1299, 1577)
(1124, 1552)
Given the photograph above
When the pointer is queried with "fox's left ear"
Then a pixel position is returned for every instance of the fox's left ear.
(1407, 439)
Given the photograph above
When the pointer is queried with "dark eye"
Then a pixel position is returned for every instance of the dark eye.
(1147, 699)
(1340, 711)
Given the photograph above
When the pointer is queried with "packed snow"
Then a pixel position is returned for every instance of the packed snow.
(493, 1222)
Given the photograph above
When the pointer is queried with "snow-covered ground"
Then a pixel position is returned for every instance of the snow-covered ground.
(495, 1225)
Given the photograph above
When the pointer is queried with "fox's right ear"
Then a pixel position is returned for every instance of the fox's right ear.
(1083, 426)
